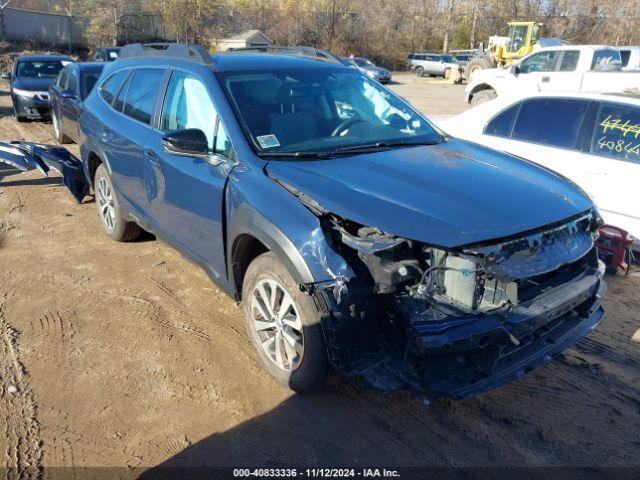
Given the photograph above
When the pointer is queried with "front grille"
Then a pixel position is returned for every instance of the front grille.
(532, 287)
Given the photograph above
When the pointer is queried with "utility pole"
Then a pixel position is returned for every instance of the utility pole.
(447, 33)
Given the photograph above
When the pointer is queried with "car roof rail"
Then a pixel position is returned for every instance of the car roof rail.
(297, 51)
(182, 51)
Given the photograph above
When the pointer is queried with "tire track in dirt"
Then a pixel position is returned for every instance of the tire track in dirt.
(23, 445)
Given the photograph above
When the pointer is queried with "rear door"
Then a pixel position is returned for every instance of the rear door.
(613, 155)
(134, 108)
(547, 131)
(189, 203)
(434, 66)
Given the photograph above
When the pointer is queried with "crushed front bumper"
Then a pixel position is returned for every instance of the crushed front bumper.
(467, 356)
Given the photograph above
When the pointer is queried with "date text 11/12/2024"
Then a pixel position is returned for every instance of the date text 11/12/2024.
(315, 473)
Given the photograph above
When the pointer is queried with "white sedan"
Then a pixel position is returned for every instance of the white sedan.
(592, 139)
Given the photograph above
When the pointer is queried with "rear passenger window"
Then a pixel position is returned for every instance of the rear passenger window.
(569, 61)
(500, 125)
(142, 94)
(554, 122)
(625, 55)
(109, 88)
(617, 132)
(118, 103)
(606, 60)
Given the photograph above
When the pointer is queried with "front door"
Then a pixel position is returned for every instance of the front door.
(189, 206)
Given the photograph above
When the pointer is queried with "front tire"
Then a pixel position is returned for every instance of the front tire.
(284, 326)
(18, 118)
(114, 223)
(483, 96)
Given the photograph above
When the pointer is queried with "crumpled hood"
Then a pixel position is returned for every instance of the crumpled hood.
(33, 84)
(447, 195)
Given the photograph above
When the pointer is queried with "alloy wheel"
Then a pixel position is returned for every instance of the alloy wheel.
(277, 324)
(105, 202)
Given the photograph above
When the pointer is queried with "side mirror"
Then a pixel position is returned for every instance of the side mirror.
(6, 76)
(68, 94)
(189, 142)
(514, 69)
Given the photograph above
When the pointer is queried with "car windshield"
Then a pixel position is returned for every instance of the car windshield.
(39, 69)
(363, 62)
(449, 59)
(321, 109)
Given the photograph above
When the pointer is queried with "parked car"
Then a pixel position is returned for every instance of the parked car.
(463, 56)
(29, 82)
(630, 58)
(355, 234)
(369, 68)
(588, 68)
(592, 139)
(66, 96)
(431, 64)
(105, 54)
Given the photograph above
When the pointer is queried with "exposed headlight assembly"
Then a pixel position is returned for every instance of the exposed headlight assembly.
(25, 93)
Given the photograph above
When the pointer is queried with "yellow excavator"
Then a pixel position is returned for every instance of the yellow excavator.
(502, 51)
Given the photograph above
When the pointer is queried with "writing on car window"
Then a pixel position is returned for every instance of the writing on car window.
(617, 132)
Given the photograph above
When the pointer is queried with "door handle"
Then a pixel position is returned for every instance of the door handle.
(151, 155)
(546, 79)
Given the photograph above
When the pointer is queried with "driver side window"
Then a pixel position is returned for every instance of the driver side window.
(539, 62)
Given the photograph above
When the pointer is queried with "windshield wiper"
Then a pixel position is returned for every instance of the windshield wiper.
(377, 145)
(352, 150)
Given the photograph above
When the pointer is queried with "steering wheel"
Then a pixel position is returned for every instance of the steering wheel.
(344, 125)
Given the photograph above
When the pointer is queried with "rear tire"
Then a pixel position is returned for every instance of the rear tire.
(113, 221)
(419, 72)
(302, 363)
(61, 138)
(483, 96)
(19, 119)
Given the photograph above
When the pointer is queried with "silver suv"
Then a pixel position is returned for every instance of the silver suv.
(431, 64)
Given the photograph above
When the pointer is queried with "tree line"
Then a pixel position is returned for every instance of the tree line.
(383, 30)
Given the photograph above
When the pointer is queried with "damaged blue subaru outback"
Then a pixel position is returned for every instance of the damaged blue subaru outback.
(357, 236)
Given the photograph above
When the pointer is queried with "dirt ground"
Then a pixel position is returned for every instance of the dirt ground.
(126, 355)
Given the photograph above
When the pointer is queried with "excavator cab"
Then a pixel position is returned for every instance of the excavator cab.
(522, 38)
(503, 51)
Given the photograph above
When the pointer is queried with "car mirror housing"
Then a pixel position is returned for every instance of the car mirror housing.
(6, 76)
(68, 94)
(514, 69)
(190, 142)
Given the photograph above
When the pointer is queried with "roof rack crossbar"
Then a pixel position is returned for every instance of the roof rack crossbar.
(193, 52)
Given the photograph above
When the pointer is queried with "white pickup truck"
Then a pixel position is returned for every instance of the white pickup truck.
(569, 68)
